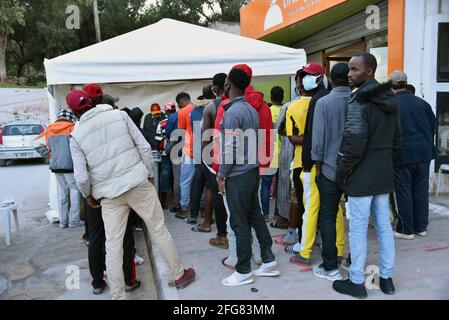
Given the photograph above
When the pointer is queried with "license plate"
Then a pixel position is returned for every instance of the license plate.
(25, 155)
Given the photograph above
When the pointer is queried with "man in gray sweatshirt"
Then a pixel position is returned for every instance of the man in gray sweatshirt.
(238, 181)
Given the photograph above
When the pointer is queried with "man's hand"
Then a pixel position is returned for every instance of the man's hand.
(93, 203)
(221, 186)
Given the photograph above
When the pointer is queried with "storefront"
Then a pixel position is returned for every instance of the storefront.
(409, 35)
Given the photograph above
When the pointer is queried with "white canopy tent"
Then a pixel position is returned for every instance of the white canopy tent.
(154, 63)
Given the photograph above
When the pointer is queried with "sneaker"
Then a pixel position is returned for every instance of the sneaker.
(402, 236)
(236, 279)
(351, 289)
(299, 259)
(100, 289)
(187, 278)
(387, 286)
(191, 220)
(136, 285)
(63, 225)
(219, 242)
(332, 275)
(138, 260)
(422, 234)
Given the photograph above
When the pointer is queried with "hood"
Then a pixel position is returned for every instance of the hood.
(254, 98)
(60, 126)
(380, 95)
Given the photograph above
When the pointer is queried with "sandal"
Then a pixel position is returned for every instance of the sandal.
(181, 216)
(197, 228)
(226, 265)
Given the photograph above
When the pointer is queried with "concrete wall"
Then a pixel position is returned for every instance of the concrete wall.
(421, 44)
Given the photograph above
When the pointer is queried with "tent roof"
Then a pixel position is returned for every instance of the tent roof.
(170, 50)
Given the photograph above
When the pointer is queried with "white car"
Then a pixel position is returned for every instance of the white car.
(16, 141)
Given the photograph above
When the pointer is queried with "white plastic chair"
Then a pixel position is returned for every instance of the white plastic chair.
(444, 168)
(6, 209)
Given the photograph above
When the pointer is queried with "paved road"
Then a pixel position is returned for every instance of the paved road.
(35, 266)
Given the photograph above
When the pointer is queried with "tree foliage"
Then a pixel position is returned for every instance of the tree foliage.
(39, 30)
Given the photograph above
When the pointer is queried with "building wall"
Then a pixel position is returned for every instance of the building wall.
(420, 56)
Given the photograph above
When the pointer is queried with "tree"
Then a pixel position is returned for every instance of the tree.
(10, 13)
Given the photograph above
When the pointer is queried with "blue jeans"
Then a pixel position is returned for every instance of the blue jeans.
(360, 209)
(265, 185)
(187, 175)
(166, 174)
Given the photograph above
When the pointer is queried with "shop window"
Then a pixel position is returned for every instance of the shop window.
(442, 129)
(443, 53)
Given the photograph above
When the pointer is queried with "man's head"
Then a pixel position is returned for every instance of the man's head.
(155, 110)
(277, 95)
(339, 75)
(236, 83)
(245, 68)
(399, 81)
(208, 93)
(79, 102)
(66, 114)
(362, 68)
(170, 108)
(218, 83)
(183, 99)
(95, 92)
(110, 100)
(309, 78)
(136, 115)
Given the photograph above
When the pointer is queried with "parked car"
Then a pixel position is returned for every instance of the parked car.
(16, 141)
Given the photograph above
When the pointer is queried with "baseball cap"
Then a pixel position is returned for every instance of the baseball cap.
(314, 69)
(170, 106)
(78, 100)
(110, 100)
(93, 90)
(340, 71)
(207, 92)
(247, 69)
(155, 108)
(67, 114)
(399, 78)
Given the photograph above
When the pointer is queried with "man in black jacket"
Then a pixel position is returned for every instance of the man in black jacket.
(365, 171)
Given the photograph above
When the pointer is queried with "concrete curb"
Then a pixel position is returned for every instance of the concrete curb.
(160, 271)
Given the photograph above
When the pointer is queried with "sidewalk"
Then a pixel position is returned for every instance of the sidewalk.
(421, 267)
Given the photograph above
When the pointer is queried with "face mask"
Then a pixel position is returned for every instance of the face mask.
(309, 82)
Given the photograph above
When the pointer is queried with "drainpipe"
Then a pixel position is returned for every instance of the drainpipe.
(423, 34)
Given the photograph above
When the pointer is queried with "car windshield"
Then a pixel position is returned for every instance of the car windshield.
(22, 130)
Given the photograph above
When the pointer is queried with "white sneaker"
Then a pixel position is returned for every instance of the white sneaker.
(402, 236)
(267, 270)
(332, 275)
(138, 260)
(236, 279)
(422, 234)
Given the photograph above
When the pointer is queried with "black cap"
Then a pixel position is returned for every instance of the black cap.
(207, 93)
(340, 71)
(110, 100)
(219, 80)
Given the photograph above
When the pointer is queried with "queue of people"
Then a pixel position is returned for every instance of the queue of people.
(226, 154)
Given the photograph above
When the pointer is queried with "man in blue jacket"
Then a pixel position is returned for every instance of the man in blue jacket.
(412, 161)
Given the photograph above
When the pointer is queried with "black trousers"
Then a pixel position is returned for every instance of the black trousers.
(411, 184)
(299, 190)
(97, 249)
(219, 209)
(242, 194)
(198, 185)
(330, 195)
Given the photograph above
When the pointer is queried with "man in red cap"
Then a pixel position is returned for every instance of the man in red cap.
(151, 122)
(113, 166)
(95, 92)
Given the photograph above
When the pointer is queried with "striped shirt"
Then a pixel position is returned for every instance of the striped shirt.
(328, 128)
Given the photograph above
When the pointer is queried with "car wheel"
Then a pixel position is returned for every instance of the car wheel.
(3, 163)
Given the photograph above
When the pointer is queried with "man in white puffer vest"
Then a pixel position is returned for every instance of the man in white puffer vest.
(113, 167)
